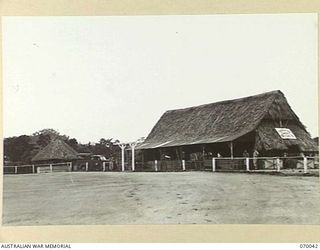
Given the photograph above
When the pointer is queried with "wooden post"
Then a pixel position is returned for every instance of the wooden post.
(183, 165)
(133, 163)
(70, 169)
(38, 170)
(156, 165)
(122, 159)
(104, 166)
(15, 169)
(87, 166)
(231, 150)
(278, 164)
(33, 170)
(122, 146)
(111, 165)
(51, 170)
(178, 154)
(133, 145)
(213, 164)
(142, 157)
(305, 164)
(248, 164)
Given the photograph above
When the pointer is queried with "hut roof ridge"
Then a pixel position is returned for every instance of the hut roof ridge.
(56, 150)
(273, 92)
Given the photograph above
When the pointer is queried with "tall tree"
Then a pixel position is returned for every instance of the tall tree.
(18, 149)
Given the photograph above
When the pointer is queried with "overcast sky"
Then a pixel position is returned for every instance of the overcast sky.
(113, 77)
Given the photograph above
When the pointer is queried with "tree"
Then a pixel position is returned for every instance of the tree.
(73, 143)
(105, 142)
(19, 149)
(53, 134)
(43, 140)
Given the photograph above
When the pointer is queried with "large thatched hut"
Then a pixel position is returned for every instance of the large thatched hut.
(55, 152)
(263, 122)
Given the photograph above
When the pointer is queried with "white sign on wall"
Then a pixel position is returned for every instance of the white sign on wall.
(286, 133)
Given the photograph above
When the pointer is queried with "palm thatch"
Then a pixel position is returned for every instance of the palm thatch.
(268, 139)
(56, 150)
(224, 121)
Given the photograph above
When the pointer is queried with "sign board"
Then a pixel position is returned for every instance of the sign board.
(286, 133)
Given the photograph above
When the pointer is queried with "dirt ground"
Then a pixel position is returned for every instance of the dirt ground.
(160, 198)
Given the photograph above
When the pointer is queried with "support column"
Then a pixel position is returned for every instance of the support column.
(122, 146)
(183, 165)
(133, 145)
(122, 159)
(33, 170)
(142, 156)
(51, 168)
(203, 151)
(104, 166)
(87, 166)
(15, 169)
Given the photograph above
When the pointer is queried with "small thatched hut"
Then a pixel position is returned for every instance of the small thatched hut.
(56, 151)
(229, 128)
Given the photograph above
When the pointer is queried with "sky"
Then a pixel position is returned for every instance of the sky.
(113, 77)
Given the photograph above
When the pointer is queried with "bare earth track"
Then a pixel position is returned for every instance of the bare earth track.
(160, 198)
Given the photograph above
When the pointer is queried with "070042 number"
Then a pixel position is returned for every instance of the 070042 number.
(308, 245)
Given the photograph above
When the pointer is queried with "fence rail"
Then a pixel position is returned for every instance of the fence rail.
(38, 168)
(237, 164)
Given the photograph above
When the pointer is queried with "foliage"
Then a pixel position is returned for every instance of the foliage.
(18, 149)
(21, 149)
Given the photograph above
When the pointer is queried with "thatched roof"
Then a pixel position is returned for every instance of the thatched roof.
(269, 139)
(219, 122)
(56, 150)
